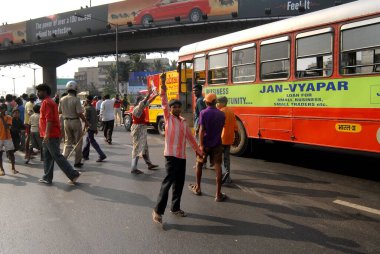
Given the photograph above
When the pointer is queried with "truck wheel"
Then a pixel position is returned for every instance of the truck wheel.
(127, 122)
(161, 126)
(241, 143)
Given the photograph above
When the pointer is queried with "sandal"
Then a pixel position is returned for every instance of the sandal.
(15, 171)
(193, 189)
(221, 198)
(2, 173)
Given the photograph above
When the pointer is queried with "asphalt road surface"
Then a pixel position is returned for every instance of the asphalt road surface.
(282, 200)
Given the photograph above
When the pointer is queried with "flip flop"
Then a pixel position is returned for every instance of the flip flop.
(193, 189)
(221, 198)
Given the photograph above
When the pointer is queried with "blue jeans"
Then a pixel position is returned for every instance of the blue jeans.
(90, 140)
(52, 154)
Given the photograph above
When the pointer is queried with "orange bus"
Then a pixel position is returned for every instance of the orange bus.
(312, 79)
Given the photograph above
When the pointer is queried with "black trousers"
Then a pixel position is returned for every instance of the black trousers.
(108, 129)
(175, 176)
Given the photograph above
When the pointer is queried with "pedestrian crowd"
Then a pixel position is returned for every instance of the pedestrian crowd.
(35, 124)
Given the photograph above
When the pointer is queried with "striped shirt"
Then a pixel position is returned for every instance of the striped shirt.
(176, 133)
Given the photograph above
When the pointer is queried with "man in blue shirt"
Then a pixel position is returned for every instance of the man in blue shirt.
(211, 122)
(199, 106)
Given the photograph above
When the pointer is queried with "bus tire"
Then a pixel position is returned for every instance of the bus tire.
(127, 122)
(161, 126)
(240, 147)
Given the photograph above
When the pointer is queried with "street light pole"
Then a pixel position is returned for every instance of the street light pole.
(34, 77)
(117, 58)
(14, 82)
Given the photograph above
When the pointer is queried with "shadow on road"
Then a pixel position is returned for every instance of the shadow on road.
(344, 162)
(291, 231)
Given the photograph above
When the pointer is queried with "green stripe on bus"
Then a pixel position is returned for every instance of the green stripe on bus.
(360, 92)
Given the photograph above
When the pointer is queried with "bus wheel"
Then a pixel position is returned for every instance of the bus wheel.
(161, 126)
(241, 141)
(127, 122)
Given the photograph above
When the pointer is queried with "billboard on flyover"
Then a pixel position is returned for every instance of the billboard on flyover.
(12, 33)
(59, 25)
(256, 8)
(148, 13)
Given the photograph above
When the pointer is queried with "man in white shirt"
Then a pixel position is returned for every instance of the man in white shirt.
(108, 117)
(98, 105)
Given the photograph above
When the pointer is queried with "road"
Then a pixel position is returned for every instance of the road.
(293, 200)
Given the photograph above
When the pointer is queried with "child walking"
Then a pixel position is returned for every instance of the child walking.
(176, 134)
(16, 128)
(6, 139)
(35, 138)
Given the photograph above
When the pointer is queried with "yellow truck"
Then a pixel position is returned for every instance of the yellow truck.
(154, 113)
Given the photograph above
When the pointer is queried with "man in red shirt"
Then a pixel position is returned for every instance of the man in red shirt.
(50, 131)
(94, 101)
(117, 109)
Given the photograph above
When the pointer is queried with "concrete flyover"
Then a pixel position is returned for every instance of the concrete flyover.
(53, 53)
(143, 26)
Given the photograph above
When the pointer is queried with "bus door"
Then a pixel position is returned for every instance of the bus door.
(186, 91)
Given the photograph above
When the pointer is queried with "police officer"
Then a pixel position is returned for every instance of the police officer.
(72, 112)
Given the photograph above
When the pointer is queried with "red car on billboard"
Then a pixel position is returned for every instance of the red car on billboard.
(6, 37)
(168, 9)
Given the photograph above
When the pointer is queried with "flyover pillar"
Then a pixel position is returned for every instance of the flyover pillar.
(49, 61)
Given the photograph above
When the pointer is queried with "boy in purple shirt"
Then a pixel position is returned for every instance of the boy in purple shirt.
(211, 122)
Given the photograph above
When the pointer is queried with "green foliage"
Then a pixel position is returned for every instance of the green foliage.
(173, 65)
(137, 63)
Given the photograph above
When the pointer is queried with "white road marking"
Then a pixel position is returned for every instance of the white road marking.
(358, 207)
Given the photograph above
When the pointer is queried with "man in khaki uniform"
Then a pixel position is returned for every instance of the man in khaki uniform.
(72, 112)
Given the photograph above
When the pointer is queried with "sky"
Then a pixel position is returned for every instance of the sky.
(11, 12)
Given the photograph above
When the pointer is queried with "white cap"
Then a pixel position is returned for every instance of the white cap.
(71, 85)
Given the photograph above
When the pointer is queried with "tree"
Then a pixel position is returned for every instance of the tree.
(158, 65)
(137, 63)
(173, 65)
(123, 70)
(109, 89)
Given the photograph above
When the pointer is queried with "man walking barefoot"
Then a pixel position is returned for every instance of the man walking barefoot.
(211, 122)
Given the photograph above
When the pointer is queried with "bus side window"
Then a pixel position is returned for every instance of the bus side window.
(360, 47)
(244, 63)
(314, 54)
(218, 67)
(186, 86)
(200, 70)
(275, 59)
